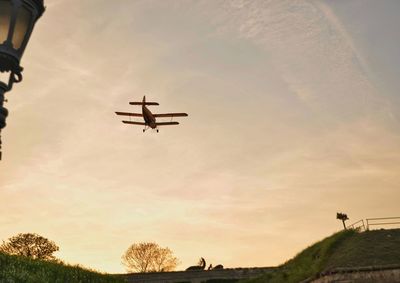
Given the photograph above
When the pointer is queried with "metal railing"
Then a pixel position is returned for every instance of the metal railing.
(359, 225)
(382, 221)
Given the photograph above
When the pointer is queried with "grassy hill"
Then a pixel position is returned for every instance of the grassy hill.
(344, 249)
(22, 269)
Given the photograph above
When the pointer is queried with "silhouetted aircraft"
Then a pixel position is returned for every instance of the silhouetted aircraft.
(150, 118)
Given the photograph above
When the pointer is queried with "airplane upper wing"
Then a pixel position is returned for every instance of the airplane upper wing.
(129, 114)
(166, 123)
(134, 123)
(170, 115)
(145, 103)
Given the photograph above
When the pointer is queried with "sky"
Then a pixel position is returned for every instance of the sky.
(293, 116)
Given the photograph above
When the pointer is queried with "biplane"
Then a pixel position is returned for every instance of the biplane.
(148, 117)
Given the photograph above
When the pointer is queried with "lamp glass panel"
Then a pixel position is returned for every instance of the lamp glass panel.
(5, 16)
(21, 26)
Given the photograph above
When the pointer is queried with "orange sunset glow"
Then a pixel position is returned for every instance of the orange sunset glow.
(293, 116)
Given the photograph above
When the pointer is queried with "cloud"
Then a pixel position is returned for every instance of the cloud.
(283, 121)
(311, 50)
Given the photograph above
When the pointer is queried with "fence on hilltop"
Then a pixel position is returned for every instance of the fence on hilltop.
(360, 225)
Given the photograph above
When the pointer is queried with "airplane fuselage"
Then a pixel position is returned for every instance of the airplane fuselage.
(148, 117)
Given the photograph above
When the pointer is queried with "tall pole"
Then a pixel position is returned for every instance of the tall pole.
(3, 110)
(17, 20)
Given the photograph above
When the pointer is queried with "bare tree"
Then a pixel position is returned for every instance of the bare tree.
(164, 260)
(149, 257)
(30, 245)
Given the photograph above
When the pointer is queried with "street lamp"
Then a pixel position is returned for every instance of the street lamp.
(17, 19)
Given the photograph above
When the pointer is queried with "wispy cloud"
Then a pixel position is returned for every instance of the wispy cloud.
(283, 121)
(310, 48)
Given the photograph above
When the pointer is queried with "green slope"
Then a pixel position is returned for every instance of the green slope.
(370, 248)
(22, 269)
(343, 249)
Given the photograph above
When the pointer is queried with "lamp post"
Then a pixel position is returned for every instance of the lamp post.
(17, 20)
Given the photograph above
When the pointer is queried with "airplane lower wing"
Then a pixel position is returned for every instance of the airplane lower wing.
(134, 123)
(170, 115)
(129, 114)
(166, 123)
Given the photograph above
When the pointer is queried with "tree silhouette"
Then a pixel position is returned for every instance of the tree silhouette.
(30, 245)
(343, 217)
(149, 257)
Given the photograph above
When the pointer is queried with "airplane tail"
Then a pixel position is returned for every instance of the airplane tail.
(143, 102)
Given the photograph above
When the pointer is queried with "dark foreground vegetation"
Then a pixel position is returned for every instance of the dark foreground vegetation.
(348, 249)
(23, 269)
(370, 248)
